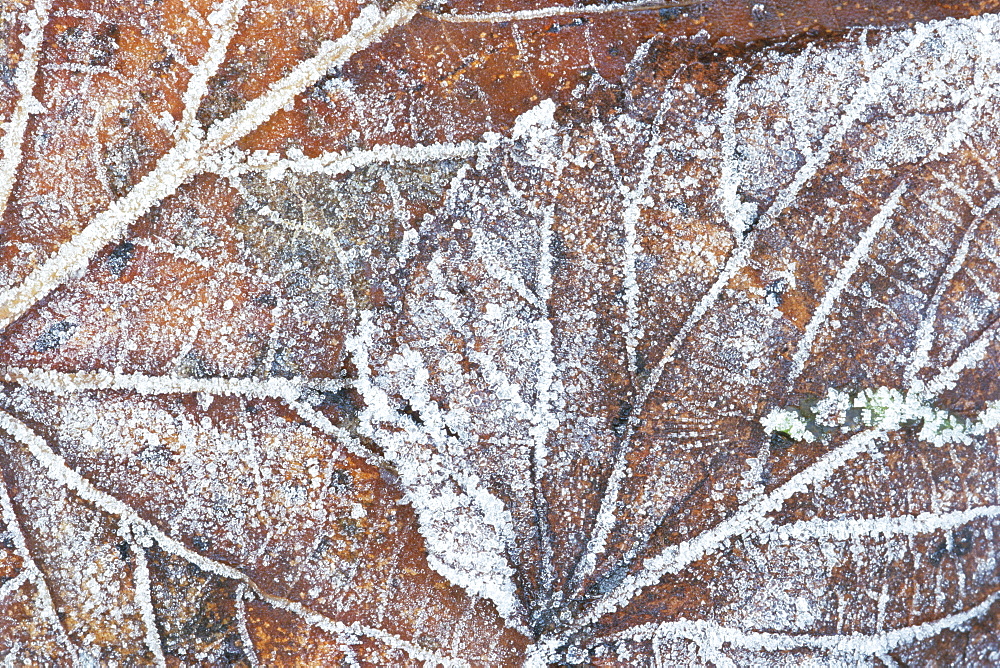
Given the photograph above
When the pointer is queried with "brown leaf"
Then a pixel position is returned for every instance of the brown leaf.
(498, 336)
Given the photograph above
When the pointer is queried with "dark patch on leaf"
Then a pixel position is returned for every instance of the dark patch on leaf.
(119, 258)
(55, 336)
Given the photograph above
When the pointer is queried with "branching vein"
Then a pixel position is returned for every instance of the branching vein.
(191, 156)
(855, 644)
(571, 10)
(24, 80)
(57, 470)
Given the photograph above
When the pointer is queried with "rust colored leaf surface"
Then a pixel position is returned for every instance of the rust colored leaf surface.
(480, 335)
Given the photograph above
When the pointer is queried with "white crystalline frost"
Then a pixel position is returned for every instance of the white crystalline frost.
(467, 530)
(883, 407)
(541, 117)
(536, 128)
(886, 409)
(831, 411)
(788, 422)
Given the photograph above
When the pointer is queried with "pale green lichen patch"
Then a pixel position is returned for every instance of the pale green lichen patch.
(883, 408)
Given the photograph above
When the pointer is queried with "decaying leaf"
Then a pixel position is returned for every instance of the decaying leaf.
(325, 343)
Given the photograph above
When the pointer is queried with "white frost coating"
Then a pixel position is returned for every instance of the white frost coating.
(851, 529)
(541, 653)
(605, 519)
(540, 118)
(57, 470)
(855, 644)
(831, 410)
(370, 26)
(843, 277)
(32, 570)
(343, 162)
(746, 521)
(323, 424)
(881, 407)
(887, 409)
(866, 95)
(467, 530)
(970, 356)
(548, 12)
(535, 129)
(501, 273)
(13, 584)
(191, 156)
(58, 382)
(738, 214)
(144, 600)
(925, 331)
(502, 388)
(630, 220)
(241, 623)
(172, 170)
(24, 81)
(492, 510)
(355, 630)
(979, 97)
(863, 98)
(788, 422)
(543, 420)
(223, 20)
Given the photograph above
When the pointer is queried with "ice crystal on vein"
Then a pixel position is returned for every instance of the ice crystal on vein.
(884, 408)
(854, 646)
(468, 531)
(788, 422)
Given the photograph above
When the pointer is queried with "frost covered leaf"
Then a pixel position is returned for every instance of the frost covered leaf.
(325, 342)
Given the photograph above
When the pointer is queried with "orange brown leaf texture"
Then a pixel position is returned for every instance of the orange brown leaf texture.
(455, 334)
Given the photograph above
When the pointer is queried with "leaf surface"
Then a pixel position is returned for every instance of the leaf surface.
(483, 336)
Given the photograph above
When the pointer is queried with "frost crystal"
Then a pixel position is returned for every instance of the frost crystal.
(789, 422)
